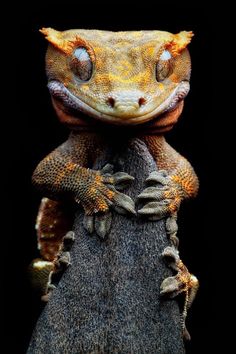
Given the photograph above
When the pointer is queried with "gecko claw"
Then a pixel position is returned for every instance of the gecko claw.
(102, 224)
(107, 169)
(46, 297)
(88, 223)
(170, 286)
(64, 259)
(171, 256)
(123, 204)
(69, 238)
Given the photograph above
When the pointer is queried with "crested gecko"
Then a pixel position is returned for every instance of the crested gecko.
(136, 81)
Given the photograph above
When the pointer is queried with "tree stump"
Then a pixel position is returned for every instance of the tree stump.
(108, 300)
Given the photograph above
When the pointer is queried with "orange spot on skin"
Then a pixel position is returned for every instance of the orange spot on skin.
(92, 191)
(65, 83)
(167, 194)
(184, 183)
(98, 50)
(98, 179)
(173, 207)
(59, 178)
(150, 51)
(103, 206)
(174, 78)
(70, 166)
(186, 278)
(110, 194)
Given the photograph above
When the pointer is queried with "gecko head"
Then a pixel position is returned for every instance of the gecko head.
(121, 78)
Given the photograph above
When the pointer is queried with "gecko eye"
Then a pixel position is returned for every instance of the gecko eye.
(164, 66)
(81, 64)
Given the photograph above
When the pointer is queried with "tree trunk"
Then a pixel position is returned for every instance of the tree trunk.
(108, 300)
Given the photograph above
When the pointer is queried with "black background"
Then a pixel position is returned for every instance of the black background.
(35, 131)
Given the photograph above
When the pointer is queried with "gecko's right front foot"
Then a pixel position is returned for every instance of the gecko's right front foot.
(101, 195)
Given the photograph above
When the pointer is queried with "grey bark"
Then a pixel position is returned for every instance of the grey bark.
(108, 300)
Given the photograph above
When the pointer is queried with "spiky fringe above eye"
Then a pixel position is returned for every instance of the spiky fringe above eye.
(179, 42)
(66, 45)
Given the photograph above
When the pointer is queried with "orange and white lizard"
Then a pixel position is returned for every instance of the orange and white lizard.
(135, 81)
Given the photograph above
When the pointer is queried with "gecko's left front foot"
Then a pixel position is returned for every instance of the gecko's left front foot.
(182, 282)
(162, 198)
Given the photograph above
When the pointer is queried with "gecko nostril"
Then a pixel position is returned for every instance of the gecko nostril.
(141, 101)
(111, 101)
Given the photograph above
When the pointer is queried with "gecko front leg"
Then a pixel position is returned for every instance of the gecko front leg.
(168, 187)
(62, 175)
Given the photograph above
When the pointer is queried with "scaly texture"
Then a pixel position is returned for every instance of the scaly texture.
(103, 85)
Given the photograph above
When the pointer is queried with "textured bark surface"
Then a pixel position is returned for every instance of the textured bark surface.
(108, 300)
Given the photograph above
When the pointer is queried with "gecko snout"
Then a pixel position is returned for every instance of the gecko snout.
(126, 101)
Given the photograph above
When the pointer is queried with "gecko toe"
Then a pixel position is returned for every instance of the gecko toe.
(64, 259)
(171, 225)
(122, 180)
(88, 223)
(123, 204)
(170, 287)
(154, 210)
(103, 224)
(157, 177)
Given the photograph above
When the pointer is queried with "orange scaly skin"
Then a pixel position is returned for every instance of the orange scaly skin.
(113, 81)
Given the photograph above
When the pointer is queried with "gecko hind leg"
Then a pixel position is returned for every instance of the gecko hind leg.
(63, 259)
(40, 273)
(43, 273)
(182, 282)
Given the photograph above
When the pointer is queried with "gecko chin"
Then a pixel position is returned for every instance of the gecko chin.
(69, 107)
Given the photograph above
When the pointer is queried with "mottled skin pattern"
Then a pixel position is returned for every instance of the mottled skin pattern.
(104, 82)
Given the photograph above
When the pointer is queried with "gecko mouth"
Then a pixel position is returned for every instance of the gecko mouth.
(73, 106)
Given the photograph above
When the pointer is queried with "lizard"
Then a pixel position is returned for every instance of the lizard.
(135, 81)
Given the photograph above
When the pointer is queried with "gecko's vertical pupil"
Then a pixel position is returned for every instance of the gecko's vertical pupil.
(81, 64)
